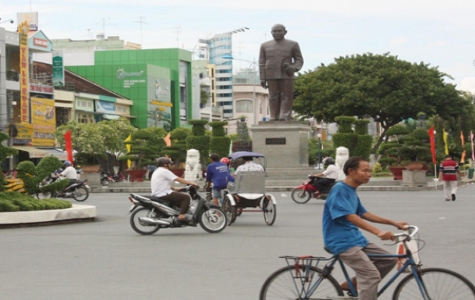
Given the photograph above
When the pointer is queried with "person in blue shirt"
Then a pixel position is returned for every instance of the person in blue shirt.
(343, 217)
(218, 173)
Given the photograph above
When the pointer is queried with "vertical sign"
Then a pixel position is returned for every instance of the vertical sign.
(43, 118)
(58, 68)
(24, 73)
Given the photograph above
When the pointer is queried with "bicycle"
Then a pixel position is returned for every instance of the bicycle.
(302, 279)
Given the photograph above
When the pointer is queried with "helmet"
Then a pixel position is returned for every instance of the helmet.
(67, 163)
(163, 161)
(225, 160)
(328, 161)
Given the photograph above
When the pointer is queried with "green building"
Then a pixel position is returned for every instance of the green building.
(158, 81)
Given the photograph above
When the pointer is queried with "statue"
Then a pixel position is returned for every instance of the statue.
(193, 170)
(279, 59)
(342, 155)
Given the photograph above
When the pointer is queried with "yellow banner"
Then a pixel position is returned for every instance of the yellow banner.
(23, 29)
(43, 119)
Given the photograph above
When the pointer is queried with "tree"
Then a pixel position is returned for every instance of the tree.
(146, 146)
(378, 86)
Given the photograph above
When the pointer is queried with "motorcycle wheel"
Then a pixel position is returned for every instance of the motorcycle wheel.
(80, 194)
(213, 220)
(300, 196)
(140, 227)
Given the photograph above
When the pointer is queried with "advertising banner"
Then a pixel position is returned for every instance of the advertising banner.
(24, 73)
(159, 107)
(58, 68)
(44, 121)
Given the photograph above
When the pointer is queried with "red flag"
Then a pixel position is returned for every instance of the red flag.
(471, 139)
(462, 139)
(432, 144)
(69, 145)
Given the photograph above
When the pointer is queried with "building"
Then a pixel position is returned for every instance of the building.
(158, 80)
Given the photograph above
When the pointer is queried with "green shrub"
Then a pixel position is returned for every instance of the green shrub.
(377, 168)
(14, 201)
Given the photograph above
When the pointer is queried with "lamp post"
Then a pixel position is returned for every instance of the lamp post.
(253, 82)
(319, 136)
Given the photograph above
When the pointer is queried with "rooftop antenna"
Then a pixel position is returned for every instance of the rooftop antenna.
(141, 23)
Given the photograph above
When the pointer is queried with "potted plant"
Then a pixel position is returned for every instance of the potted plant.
(415, 151)
(145, 147)
(389, 151)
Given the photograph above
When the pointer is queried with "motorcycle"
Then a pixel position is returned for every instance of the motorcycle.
(79, 190)
(302, 193)
(149, 213)
(106, 178)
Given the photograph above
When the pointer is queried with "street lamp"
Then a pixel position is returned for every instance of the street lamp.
(10, 20)
(253, 82)
(319, 136)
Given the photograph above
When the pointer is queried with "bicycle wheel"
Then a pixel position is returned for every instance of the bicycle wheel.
(284, 284)
(270, 211)
(440, 284)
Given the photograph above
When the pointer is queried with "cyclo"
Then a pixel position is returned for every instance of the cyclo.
(249, 191)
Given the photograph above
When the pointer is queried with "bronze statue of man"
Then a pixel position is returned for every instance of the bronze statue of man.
(279, 59)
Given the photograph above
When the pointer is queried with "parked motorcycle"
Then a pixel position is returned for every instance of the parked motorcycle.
(149, 214)
(79, 191)
(106, 178)
(302, 193)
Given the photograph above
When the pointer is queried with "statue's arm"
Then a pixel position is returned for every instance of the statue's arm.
(298, 58)
(262, 66)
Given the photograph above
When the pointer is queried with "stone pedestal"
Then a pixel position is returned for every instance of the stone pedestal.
(414, 178)
(284, 143)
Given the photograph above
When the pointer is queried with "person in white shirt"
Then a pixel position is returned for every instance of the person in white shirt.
(330, 175)
(248, 166)
(69, 172)
(160, 184)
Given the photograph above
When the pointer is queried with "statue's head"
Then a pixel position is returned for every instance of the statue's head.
(278, 32)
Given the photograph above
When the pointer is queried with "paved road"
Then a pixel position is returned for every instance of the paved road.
(106, 259)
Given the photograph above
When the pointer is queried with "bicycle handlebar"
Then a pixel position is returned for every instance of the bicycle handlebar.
(407, 236)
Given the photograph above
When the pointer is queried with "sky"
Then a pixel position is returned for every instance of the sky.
(437, 32)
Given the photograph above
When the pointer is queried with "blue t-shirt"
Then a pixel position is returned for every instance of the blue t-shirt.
(340, 234)
(218, 173)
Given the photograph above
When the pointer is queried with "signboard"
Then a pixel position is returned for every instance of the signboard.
(44, 121)
(24, 73)
(105, 107)
(30, 17)
(25, 134)
(159, 107)
(58, 68)
(130, 78)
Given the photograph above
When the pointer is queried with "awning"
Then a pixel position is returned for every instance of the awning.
(39, 153)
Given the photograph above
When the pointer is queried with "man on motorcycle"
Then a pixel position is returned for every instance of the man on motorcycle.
(330, 175)
(69, 172)
(160, 184)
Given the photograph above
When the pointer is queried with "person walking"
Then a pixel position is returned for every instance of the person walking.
(343, 218)
(448, 171)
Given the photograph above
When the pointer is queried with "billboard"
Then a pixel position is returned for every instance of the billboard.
(58, 68)
(43, 121)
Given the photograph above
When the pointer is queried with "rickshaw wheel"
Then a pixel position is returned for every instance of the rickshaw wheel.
(270, 211)
(239, 211)
(229, 210)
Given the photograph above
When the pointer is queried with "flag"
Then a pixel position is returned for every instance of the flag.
(128, 147)
(167, 140)
(68, 145)
(432, 144)
(446, 146)
(471, 139)
(462, 140)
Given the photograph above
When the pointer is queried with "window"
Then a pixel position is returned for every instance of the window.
(244, 106)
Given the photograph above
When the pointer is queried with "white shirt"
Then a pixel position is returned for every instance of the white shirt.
(160, 182)
(249, 166)
(70, 173)
(332, 172)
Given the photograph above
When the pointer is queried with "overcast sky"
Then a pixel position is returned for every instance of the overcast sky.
(438, 32)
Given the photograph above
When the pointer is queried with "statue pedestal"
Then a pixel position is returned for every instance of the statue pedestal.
(284, 143)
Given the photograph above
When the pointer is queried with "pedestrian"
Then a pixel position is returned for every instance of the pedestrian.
(217, 173)
(448, 171)
(343, 218)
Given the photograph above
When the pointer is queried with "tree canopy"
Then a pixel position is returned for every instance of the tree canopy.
(382, 87)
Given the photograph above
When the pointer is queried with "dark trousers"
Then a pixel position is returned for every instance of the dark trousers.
(281, 97)
(323, 184)
(180, 200)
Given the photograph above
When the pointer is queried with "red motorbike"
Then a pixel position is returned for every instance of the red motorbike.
(304, 192)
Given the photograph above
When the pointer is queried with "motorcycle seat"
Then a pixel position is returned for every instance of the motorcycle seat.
(159, 200)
